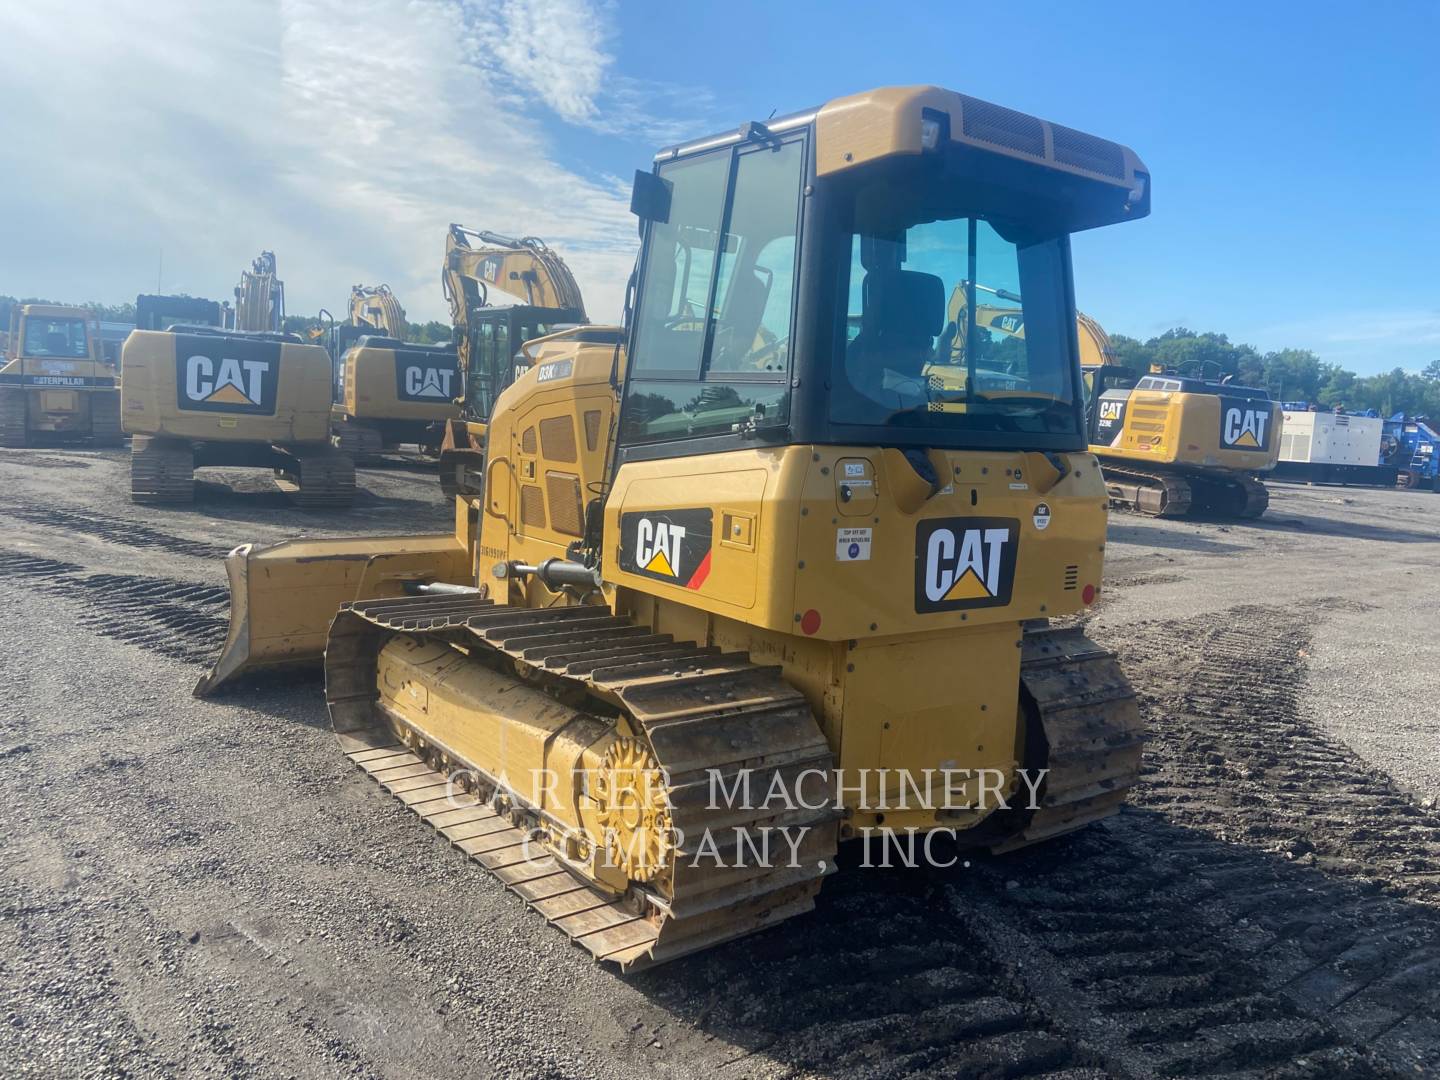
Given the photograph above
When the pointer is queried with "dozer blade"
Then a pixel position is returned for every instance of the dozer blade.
(283, 596)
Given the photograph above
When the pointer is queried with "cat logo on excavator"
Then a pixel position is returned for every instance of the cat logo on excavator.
(241, 379)
(428, 382)
(964, 563)
(1243, 426)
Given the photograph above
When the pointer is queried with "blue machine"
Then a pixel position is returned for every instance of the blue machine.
(1416, 452)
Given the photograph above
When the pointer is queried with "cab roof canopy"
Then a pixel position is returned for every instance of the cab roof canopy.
(1068, 179)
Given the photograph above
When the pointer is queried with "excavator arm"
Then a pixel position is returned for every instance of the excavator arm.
(260, 297)
(525, 270)
(376, 307)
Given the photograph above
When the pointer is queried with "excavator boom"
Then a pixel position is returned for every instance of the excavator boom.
(376, 307)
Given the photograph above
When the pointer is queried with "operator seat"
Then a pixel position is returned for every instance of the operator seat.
(903, 311)
(735, 334)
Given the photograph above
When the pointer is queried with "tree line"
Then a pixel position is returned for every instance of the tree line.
(1288, 374)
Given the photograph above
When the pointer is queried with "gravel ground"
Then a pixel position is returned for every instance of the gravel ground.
(208, 889)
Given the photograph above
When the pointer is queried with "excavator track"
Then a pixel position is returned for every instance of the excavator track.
(359, 441)
(318, 478)
(105, 418)
(1084, 727)
(698, 712)
(162, 471)
(12, 418)
(1155, 494)
(1172, 495)
(1237, 496)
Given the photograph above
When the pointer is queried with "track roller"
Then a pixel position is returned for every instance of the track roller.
(1154, 494)
(362, 443)
(448, 701)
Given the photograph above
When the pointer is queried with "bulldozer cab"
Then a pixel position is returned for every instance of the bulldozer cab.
(54, 334)
(793, 285)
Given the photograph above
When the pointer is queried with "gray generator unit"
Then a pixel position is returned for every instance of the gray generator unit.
(1332, 448)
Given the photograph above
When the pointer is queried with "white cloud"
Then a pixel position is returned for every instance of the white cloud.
(554, 49)
(342, 134)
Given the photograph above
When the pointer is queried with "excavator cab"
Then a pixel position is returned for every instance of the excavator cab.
(1107, 388)
(494, 339)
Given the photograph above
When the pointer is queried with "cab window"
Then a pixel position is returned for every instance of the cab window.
(712, 338)
(55, 337)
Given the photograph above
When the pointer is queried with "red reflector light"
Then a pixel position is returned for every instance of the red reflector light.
(810, 621)
(1089, 594)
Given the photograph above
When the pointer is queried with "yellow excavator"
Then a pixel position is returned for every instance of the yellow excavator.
(1177, 442)
(246, 395)
(706, 614)
(388, 390)
(542, 296)
(1171, 443)
(54, 383)
(377, 308)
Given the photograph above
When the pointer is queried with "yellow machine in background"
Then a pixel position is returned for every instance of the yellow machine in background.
(259, 298)
(200, 396)
(1174, 443)
(53, 382)
(786, 563)
(377, 308)
(1170, 444)
(543, 298)
(389, 391)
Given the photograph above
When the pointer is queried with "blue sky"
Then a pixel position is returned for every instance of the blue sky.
(1295, 147)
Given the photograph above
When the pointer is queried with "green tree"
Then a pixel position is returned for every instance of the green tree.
(433, 332)
(1293, 374)
(1130, 353)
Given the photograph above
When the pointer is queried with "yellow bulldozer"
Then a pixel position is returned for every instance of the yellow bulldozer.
(721, 599)
(54, 383)
(388, 390)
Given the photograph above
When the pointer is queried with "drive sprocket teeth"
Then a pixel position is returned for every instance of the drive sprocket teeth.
(634, 810)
